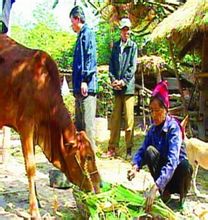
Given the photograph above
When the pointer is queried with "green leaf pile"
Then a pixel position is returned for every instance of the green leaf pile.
(119, 202)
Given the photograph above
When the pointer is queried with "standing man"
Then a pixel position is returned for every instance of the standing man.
(84, 75)
(4, 14)
(122, 69)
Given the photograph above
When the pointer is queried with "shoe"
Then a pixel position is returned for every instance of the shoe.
(128, 150)
(166, 196)
(110, 154)
(128, 157)
(128, 153)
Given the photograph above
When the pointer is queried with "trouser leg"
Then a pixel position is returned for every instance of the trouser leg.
(85, 111)
(79, 114)
(116, 118)
(129, 121)
(154, 162)
(181, 180)
(3, 28)
(89, 118)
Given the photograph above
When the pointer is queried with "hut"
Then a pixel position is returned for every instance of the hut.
(152, 69)
(187, 28)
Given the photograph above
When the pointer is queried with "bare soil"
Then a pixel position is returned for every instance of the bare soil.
(60, 204)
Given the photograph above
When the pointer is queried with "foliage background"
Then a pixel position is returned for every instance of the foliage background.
(46, 34)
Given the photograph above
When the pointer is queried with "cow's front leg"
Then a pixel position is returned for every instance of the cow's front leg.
(30, 166)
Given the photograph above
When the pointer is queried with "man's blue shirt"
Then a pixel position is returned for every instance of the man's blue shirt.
(84, 62)
(167, 139)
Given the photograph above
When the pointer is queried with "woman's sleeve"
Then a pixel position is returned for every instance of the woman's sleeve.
(139, 155)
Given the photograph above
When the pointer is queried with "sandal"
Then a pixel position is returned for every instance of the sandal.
(110, 154)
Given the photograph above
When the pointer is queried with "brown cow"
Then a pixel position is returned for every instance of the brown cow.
(31, 103)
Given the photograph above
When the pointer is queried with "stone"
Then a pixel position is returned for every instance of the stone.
(58, 179)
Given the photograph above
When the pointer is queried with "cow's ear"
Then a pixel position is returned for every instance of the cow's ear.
(83, 135)
(78, 136)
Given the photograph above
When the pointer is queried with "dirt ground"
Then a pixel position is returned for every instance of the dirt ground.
(59, 203)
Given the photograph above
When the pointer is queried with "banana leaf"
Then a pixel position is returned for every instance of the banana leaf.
(119, 203)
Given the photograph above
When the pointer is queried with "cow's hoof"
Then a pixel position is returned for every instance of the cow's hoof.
(38, 217)
(35, 215)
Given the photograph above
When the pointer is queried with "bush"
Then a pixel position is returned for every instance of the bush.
(105, 95)
(69, 103)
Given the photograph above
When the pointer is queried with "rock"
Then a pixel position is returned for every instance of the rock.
(23, 214)
(2, 202)
(10, 206)
(2, 210)
(7, 215)
(102, 132)
(58, 179)
(47, 216)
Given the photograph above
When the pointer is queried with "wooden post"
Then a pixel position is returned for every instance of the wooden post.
(143, 105)
(177, 77)
(203, 100)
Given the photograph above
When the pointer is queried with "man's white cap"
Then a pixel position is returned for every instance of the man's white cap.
(125, 22)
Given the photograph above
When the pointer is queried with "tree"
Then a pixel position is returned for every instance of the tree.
(46, 34)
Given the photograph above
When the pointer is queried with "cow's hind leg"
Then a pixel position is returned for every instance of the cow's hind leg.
(28, 151)
(196, 167)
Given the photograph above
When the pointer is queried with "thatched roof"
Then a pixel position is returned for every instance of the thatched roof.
(186, 24)
(155, 68)
(151, 65)
(152, 68)
(143, 14)
(140, 15)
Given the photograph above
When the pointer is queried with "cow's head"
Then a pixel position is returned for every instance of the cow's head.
(80, 163)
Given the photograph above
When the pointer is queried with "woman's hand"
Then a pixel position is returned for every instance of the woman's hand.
(151, 197)
(132, 173)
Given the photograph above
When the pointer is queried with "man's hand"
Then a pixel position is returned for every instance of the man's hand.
(84, 89)
(151, 197)
(115, 85)
(122, 83)
(132, 173)
(118, 84)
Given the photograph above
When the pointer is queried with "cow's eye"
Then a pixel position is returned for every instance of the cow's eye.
(88, 157)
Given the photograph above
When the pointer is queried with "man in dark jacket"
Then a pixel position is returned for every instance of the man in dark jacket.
(84, 75)
(122, 74)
